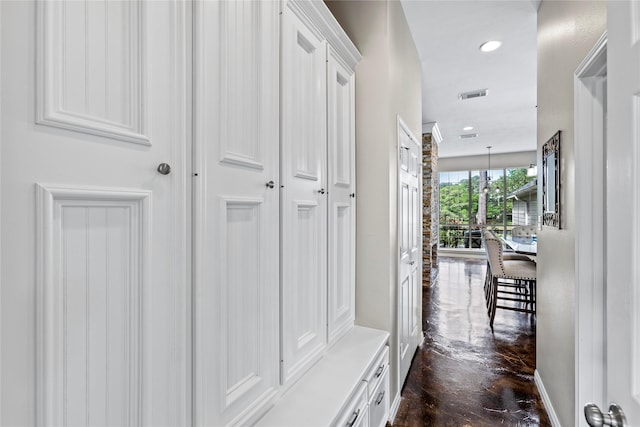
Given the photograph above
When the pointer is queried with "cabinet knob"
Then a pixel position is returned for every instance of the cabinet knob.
(164, 168)
(270, 184)
(352, 195)
(321, 191)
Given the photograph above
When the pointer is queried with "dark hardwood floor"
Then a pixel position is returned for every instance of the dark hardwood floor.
(463, 375)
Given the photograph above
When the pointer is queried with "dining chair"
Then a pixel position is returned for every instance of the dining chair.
(510, 284)
(506, 256)
(524, 231)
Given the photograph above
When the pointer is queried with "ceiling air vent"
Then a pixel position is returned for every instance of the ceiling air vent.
(468, 135)
(473, 94)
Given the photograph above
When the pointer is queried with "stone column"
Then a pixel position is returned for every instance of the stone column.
(430, 209)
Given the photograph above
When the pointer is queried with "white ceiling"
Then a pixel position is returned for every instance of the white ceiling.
(448, 34)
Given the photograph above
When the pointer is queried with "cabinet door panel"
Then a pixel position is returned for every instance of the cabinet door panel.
(341, 172)
(94, 303)
(303, 198)
(236, 210)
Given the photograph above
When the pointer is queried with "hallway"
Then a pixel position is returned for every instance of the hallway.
(463, 375)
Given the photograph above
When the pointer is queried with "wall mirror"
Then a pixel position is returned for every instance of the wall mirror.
(551, 181)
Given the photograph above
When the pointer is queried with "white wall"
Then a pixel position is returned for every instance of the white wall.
(388, 83)
(567, 30)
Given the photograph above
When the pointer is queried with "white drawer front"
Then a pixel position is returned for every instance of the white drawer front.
(356, 412)
(379, 402)
(362, 420)
(376, 372)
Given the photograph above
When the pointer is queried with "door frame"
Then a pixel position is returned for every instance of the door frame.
(590, 233)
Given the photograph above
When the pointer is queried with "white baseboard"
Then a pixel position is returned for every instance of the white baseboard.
(551, 412)
(394, 408)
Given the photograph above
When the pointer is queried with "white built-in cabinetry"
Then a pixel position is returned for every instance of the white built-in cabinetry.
(274, 212)
(236, 238)
(317, 186)
(341, 209)
(182, 219)
(303, 174)
(348, 387)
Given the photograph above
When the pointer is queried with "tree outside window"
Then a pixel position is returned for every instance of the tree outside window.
(473, 200)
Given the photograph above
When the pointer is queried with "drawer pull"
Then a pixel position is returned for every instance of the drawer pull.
(353, 418)
(380, 397)
(379, 371)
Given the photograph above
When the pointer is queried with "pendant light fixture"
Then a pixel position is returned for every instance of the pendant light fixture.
(486, 187)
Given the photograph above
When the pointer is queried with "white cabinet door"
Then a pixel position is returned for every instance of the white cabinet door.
(341, 160)
(236, 215)
(303, 197)
(410, 244)
(94, 278)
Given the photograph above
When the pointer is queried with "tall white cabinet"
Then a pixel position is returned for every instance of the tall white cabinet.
(236, 229)
(341, 210)
(303, 196)
(94, 267)
(317, 193)
(274, 200)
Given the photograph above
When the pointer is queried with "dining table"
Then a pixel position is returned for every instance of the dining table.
(522, 245)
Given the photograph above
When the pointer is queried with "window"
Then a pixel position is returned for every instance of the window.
(472, 200)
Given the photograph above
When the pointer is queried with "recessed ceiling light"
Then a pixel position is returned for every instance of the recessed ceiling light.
(490, 46)
(467, 128)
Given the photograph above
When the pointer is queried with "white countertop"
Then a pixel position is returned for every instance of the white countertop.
(320, 395)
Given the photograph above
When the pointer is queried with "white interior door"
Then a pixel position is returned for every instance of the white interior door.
(95, 289)
(303, 196)
(410, 246)
(236, 216)
(590, 104)
(623, 208)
